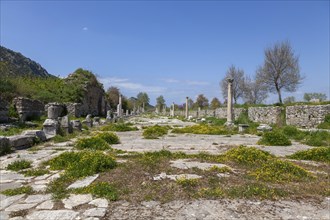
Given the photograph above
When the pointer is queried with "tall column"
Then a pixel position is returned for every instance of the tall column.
(187, 107)
(119, 107)
(230, 103)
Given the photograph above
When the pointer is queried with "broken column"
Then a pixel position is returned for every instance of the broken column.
(51, 126)
(119, 108)
(186, 115)
(230, 103)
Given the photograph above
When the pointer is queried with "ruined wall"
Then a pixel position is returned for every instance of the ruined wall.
(306, 116)
(268, 115)
(93, 102)
(4, 106)
(28, 108)
(74, 109)
(218, 113)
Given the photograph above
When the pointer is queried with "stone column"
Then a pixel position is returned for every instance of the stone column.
(119, 106)
(187, 107)
(230, 103)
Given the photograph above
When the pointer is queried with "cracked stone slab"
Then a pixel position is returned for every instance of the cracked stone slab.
(100, 203)
(39, 188)
(53, 215)
(95, 212)
(20, 207)
(187, 164)
(46, 205)
(75, 200)
(10, 200)
(176, 177)
(84, 182)
(37, 198)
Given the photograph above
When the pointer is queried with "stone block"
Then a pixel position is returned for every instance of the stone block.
(4, 145)
(264, 127)
(35, 133)
(65, 124)
(76, 125)
(21, 141)
(51, 127)
(54, 111)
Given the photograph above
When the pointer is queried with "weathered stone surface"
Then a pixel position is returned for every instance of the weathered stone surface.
(4, 215)
(20, 141)
(187, 164)
(55, 110)
(4, 203)
(74, 109)
(306, 116)
(4, 106)
(95, 212)
(75, 200)
(88, 121)
(4, 144)
(269, 115)
(28, 108)
(46, 205)
(176, 177)
(35, 133)
(19, 207)
(53, 215)
(84, 182)
(100, 203)
(39, 188)
(37, 198)
(51, 127)
(76, 125)
(264, 127)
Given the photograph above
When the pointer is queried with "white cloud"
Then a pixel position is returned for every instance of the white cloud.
(85, 29)
(197, 83)
(171, 80)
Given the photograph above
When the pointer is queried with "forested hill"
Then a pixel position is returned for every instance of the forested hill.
(15, 64)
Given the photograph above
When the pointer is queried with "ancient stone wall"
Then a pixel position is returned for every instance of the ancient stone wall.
(306, 116)
(218, 113)
(4, 106)
(74, 109)
(93, 102)
(28, 108)
(268, 115)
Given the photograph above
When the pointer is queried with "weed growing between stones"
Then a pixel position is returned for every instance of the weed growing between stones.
(204, 129)
(109, 137)
(274, 138)
(65, 137)
(19, 165)
(154, 132)
(326, 123)
(35, 172)
(249, 156)
(318, 138)
(92, 143)
(321, 154)
(21, 190)
(119, 127)
(99, 189)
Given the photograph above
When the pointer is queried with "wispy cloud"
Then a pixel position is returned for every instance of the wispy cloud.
(197, 83)
(85, 28)
(171, 80)
(125, 84)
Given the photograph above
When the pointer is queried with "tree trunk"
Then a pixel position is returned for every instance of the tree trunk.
(279, 95)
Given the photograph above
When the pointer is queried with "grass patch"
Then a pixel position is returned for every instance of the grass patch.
(99, 189)
(19, 165)
(64, 138)
(293, 133)
(326, 123)
(154, 132)
(274, 138)
(121, 127)
(215, 121)
(318, 138)
(223, 169)
(109, 137)
(92, 143)
(204, 129)
(35, 172)
(250, 156)
(321, 154)
(187, 183)
(21, 190)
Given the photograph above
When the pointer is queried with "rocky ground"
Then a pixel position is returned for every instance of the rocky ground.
(41, 206)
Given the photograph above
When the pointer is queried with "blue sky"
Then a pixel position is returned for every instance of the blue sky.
(170, 48)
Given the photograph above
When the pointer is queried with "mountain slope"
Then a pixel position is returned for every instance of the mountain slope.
(15, 64)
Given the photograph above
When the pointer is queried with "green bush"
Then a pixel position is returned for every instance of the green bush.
(318, 138)
(155, 132)
(203, 129)
(250, 156)
(293, 132)
(280, 171)
(326, 123)
(100, 189)
(121, 127)
(93, 143)
(316, 154)
(19, 165)
(81, 164)
(109, 137)
(274, 138)
(21, 190)
(215, 121)
(35, 172)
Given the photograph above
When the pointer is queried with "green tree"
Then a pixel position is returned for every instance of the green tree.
(314, 95)
(112, 96)
(202, 101)
(289, 99)
(280, 70)
(160, 102)
(142, 99)
(215, 103)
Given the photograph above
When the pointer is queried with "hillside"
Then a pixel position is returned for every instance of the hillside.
(15, 64)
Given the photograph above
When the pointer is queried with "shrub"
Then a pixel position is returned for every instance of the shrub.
(293, 132)
(280, 171)
(216, 121)
(63, 138)
(109, 137)
(93, 143)
(19, 165)
(316, 154)
(35, 172)
(318, 138)
(203, 129)
(119, 127)
(100, 189)
(247, 155)
(21, 190)
(155, 132)
(274, 138)
(326, 123)
(81, 164)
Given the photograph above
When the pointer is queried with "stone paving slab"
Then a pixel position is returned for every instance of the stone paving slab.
(84, 182)
(53, 215)
(163, 176)
(187, 164)
(75, 200)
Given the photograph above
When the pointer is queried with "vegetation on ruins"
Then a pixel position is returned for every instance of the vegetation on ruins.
(321, 154)
(155, 132)
(109, 137)
(215, 103)
(204, 129)
(17, 191)
(19, 165)
(280, 71)
(93, 143)
(326, 123)
(121, 127)
(274, 138)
